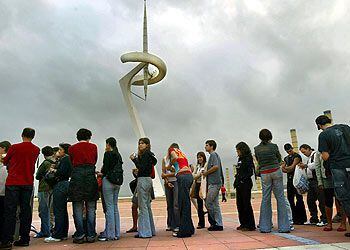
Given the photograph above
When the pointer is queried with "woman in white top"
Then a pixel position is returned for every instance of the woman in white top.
(4, 147)
(201, 161)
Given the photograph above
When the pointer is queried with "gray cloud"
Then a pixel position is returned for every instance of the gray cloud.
(234, 68)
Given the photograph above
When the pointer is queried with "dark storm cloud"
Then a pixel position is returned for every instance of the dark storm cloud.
(234, 67)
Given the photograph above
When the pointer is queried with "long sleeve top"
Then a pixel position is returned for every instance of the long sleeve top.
(145, 163)
(41, 172)
(245, 168)
(64, 169)
(110, 160)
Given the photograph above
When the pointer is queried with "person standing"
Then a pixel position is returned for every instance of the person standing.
(144, 162)
(288, 166)
(243, 184)
(197, 176)
(45, 192)
(334, 145)
(269, 161)
(314, 193)
(20, 161)
(214, 177)
(4, 147)
(325, 184)
(112, 171)
(184, 179)
(83, 187)
(171, 194)
(62, 173)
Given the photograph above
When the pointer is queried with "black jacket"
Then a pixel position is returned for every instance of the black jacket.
(245, 170)
(110, 160)
(83, 184)
(64, 169)
(145, 163)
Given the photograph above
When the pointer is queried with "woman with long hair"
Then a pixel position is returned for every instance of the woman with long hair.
(184, 177)
(243, 184)
(144, 162)
(269, 162)
(197, 176)
(112, 171)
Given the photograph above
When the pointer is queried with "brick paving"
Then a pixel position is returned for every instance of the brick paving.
(230, 238)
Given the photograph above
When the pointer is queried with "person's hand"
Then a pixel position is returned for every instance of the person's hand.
(163, 176)
(132, 156)
(302, 165)
(320, 187)
(204, 173)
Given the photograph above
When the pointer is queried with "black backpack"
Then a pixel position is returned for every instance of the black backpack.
(115, 176)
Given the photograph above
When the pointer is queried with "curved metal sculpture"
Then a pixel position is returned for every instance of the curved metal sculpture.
(132, 78)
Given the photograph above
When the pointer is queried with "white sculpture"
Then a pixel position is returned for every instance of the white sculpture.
(144, 59)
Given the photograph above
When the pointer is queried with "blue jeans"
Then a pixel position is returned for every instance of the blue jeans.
(78, 215)
(45, 203)
(173, 216)
(212, 204)
(110, 194)
(60, 195)
(273, 182)
(341, 180)
(144, 189)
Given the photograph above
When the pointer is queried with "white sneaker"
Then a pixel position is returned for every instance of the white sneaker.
(321, 224)
(51, 239)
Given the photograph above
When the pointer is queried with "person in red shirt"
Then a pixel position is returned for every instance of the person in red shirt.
(20, 161)
(83, 187)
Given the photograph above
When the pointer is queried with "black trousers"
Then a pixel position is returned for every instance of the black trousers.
(60, 196)
(244, 205)
(298, 207)
(186, 228)
(14, 196)
(200, 204)
(2, 210)
(313, 195)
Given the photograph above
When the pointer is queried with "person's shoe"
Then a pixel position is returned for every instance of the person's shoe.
(132, 230)
(245, 229)
(240, 227)
(321, 224)
(78, 240)
(347, 234)
(176, 230)
(284, 232)
(174, 234)
(6, 245)
(102, 238)
(216, 228)
(139, 237)
(341, 229)
(90, 239)
(311, 222)
(51, 239)
(327, 229)
(21, 243)
(336, 218)
(168, 229)
(41, 235)
(200, 227)
(292, 228)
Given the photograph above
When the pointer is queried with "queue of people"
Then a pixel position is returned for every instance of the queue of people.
(68, 174)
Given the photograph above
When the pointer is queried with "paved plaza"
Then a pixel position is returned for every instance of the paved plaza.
(303, 237)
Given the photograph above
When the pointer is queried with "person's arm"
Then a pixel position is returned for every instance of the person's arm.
(44, 166)
(318, 169)
(283, 166)
(8, 156)
(323, 146)
(215, 166)
(291, 168)
(325, 156)
(106, 163)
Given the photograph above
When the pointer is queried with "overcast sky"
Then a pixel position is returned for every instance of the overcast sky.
(234, 67)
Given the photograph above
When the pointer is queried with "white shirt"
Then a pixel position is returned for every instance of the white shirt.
(3, 177)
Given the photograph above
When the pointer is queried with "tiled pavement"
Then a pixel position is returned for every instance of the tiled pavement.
(303, 236)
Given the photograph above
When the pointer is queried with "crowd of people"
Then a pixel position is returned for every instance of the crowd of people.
(68, 174)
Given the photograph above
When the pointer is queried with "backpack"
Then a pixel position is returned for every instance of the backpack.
(115, 176)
